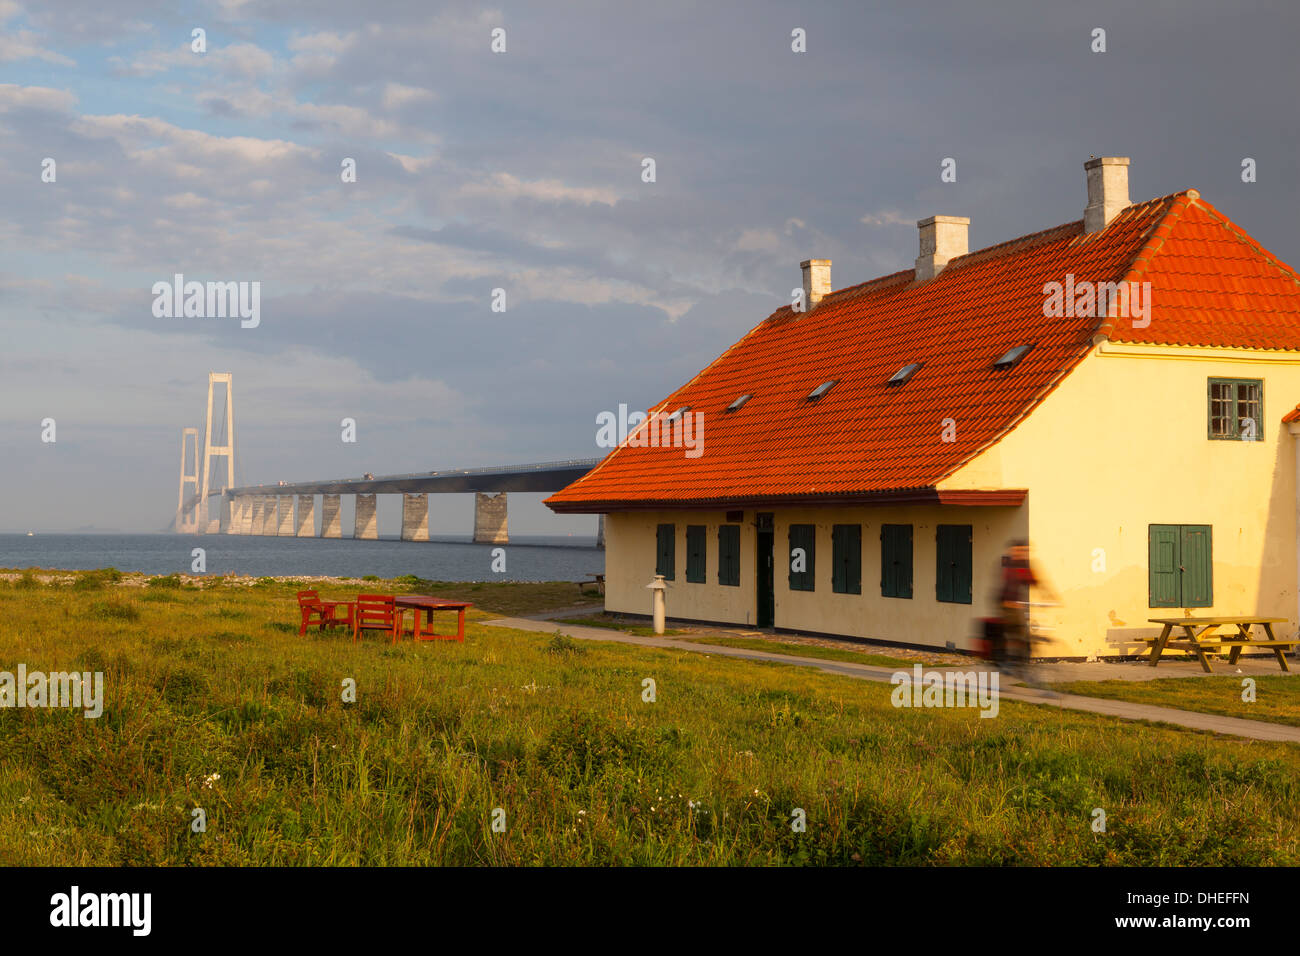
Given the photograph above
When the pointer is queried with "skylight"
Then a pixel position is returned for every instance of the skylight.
(678, 414)
(904, 373)
(821, 390)
(738, 402)
(1012, 357)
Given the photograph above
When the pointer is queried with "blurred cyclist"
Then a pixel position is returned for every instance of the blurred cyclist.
(1018, 576)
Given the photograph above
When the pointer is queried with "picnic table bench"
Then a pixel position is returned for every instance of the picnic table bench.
(1200, 635)
(597, 579)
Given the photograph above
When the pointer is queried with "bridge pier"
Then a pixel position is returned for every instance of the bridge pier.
(490, 518)
(366, 523)
(225, 515)
(330, 525)
(231, 509)
(600, 533)
(306, 523)
(257, 506)
(246, 515)
(285, 526)
(415, 517)
(269, 517)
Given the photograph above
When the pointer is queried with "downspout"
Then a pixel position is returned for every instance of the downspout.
(1294, 429)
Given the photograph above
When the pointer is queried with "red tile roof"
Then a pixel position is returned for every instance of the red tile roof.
(1292, 416)
(1211, 286)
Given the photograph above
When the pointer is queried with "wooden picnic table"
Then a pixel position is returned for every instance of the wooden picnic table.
(426, 604)
(596, 579)
(1201, 635)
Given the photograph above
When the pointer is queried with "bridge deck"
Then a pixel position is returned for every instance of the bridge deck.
(542, 477)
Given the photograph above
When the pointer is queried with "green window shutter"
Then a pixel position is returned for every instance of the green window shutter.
(854, 570)
(888, 568)
(667, 546)
(905, 561)
(695, 556)
(1197, 567)
(837, 559)
(846, 540)
(965, 572)
(943, 564)
(896, 560)
(953, 571)
(803, 536)
(729, 555)
(1163, 548)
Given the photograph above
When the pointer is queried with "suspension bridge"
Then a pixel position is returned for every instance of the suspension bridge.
(210, 502)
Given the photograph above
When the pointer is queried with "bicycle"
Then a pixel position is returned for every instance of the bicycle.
(1013, 652)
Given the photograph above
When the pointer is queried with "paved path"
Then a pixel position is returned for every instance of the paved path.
(1233, 726)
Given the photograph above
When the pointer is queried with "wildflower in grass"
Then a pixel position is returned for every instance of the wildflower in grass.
(210, 779)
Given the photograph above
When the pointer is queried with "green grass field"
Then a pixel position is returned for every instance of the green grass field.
(213, 701)
(1277, 699)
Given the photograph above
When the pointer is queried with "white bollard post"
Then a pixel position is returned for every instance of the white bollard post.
(658, 586)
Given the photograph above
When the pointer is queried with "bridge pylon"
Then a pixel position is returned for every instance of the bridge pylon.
(209, 523)
(187, 510)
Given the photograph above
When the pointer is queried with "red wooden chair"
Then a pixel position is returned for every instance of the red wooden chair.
(323, 613)
(313, 611)
(376, 612)
(341, 613)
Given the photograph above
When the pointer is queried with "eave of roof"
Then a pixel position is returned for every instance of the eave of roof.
(980, 498)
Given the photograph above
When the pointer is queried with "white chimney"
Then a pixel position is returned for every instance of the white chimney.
(942, 238)
(816, 281)
(1107, 191)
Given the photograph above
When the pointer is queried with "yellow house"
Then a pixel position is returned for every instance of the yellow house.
(1121, 391)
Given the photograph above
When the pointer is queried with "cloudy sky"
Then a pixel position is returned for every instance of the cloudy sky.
(522, 170)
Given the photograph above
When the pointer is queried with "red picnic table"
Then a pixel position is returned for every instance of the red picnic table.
(423, 603)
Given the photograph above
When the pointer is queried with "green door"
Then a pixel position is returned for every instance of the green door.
(1162, 565)
(1198, 579)
(1180, 565)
